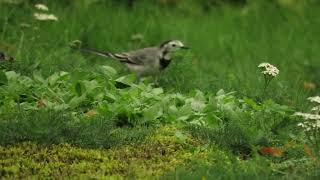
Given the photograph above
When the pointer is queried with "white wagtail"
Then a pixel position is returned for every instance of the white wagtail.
(146, 61)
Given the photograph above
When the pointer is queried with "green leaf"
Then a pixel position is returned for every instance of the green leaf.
(183, 118)
(198, 102)
(37, 76)
(181, 137)
(3, 78)
(54, 78)
(79, 88)
(128, 79)
(79, 75)
(220, 92)
(76, 101)
(253, 104)
(11, 75)
(110, 97)
(197, 105)
(125, 81)
(109, 71)
(172, 109)
(199, 95)
(35, 65)
(271, 106)
(153, 112)
(64, 76)
(157, 91)
(90, 85)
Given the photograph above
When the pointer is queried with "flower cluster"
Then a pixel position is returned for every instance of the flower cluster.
(269, 69)
(308, 126)
(312, 120)
(308, 116)
(44, 16)
(41, 7)
(315, 99)
(316, 108)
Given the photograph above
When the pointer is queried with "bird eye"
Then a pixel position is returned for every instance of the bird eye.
(174, 45)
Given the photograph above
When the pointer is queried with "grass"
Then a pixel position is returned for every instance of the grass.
(84, 110)
(227, 44)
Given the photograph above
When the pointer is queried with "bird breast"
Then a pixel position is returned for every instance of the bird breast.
(144, 70)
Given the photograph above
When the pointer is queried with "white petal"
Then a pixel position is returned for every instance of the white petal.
(314, 99)
(45, 17)
(41, 7)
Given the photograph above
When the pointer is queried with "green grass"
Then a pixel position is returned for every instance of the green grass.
(227, 44)
(87, 107)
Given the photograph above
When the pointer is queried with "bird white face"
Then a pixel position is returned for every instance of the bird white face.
(174, 45)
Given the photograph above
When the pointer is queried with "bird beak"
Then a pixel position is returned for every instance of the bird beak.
(185, 47)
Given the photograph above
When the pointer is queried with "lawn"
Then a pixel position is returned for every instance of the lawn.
(69, 114)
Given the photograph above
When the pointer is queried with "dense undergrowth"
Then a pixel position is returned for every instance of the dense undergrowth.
(63, 113)
(102, 110)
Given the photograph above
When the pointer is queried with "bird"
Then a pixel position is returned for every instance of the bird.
(149, 61)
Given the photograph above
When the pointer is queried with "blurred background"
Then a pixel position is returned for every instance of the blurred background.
(229, 39)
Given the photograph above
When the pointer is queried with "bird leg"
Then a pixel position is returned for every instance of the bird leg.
(156, 80)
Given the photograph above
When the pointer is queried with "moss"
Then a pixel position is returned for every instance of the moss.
(159, 153)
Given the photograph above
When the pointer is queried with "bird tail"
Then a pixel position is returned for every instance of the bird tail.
(122, 57)
(97, 52)
(76, 45)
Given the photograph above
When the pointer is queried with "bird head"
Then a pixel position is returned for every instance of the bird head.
(173, 45)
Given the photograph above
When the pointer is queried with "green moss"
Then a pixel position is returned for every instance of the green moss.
(164, 151)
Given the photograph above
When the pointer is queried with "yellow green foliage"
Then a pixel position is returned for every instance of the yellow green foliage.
(164, 151)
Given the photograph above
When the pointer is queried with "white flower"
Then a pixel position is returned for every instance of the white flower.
(317, 124)
(307, 116)
(314, 99)
(317, 108)
(301, 125)
(269, 69)
(41, 7)
(307, 126)
(264, 65)
(45, 17)
(312, 121)
(25, 25)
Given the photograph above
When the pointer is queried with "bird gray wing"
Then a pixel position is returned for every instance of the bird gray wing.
(143, 56)
(127, 58)
(122, 57)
